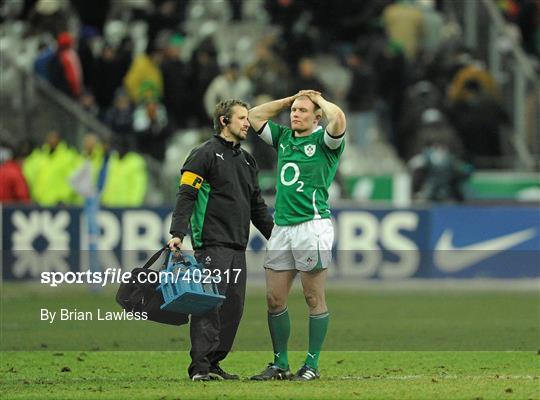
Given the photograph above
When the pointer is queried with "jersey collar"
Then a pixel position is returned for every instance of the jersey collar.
(318, 127)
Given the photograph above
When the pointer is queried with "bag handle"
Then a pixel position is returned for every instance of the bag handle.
(158, 253)
(154, 258)
(180, 256)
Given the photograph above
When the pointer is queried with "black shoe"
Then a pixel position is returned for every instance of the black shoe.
(202, 377)
(273, 372)
(306, 373)
(217, 373)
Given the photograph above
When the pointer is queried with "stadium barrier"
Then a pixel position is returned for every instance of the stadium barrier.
(383, 243)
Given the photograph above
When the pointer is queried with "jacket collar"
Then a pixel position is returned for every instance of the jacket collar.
(226, 143)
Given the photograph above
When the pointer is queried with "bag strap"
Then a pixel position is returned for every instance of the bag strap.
(154, 258)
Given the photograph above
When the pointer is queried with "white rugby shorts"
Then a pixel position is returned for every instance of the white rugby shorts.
(304, 247)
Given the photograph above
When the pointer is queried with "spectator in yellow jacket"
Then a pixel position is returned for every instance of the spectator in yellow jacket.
(47, 170)
(144, 70)
(126, 182)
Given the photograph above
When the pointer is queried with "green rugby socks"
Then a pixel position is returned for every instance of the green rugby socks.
(318, 326)
(280, 330)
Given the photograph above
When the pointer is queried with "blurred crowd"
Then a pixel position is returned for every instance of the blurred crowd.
(56, 173)
(150, 70)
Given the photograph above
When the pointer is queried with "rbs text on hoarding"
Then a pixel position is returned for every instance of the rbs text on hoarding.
(384, 243)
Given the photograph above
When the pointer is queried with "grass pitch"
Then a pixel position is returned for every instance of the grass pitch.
(346, 375)
(382, 344)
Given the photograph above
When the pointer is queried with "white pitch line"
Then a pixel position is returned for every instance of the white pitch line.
(442, 377)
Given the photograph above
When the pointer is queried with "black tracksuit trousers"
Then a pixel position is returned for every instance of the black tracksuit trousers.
(212, 334)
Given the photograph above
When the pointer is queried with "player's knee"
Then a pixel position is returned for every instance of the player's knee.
(275, 303)
(313, 300)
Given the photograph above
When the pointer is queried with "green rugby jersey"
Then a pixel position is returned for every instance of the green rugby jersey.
(306, 168)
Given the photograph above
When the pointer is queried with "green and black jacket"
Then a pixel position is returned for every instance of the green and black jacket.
(219, 194)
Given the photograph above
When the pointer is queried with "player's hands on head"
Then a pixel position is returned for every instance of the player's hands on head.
(175, 244)
(291, 99)
(309, 92)
(312, 94)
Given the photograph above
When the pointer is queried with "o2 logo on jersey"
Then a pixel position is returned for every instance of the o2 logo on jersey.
(294, 180)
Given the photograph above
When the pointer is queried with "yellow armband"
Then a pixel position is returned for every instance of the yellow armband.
(191, 179)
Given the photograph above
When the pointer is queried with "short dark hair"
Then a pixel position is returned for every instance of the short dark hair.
(225, 109)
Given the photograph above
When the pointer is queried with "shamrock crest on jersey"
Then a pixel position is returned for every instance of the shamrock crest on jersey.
(309, 149)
